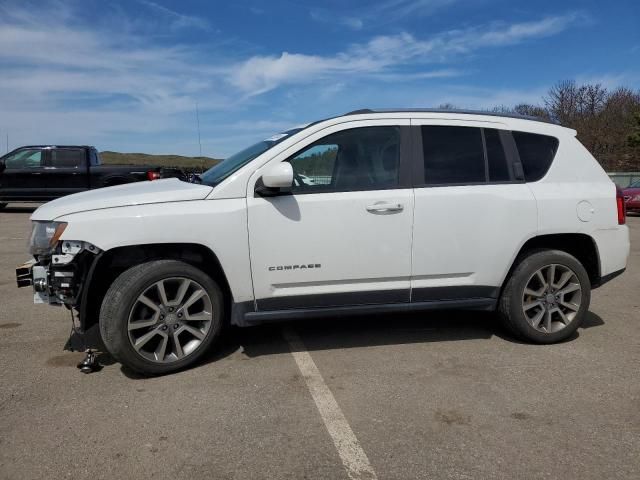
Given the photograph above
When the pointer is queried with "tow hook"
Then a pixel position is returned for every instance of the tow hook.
(40, 285)
(90, 362)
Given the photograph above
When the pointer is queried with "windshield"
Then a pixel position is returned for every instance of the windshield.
(635, 185)
(219, 172)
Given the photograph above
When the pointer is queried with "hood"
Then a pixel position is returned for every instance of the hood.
(138, 193)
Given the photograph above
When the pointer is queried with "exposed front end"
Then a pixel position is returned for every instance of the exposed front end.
(59, 268)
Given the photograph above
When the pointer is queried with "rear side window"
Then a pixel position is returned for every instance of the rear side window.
(536, 153)
(94, 157)
(453, 155)
(67, 157)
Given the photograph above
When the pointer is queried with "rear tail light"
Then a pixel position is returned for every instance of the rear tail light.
(151, 175)
(622, 208)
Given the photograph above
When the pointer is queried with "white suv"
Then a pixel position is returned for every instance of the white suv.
(372, 211)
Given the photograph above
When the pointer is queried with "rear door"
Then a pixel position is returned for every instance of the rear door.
(23, 173)
(67, 171)
(343, 234)
(471, 214)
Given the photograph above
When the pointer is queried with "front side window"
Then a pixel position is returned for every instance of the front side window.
(67, 158)
(365, 158)
(452, 155)
(28, 158)
(536, 153)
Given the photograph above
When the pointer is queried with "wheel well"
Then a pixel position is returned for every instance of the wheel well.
(579, 245)
(113, 262)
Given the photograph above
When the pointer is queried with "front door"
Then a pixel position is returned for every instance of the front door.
(343, 234)
(22, 178)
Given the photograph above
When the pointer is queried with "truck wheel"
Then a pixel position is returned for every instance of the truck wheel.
(161, 316)
(546, 298)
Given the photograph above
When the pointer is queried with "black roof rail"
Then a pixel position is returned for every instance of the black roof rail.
(55, 146)
(456, 111)
(356, 112)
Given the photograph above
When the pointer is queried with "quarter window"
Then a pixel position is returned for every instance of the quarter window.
(536, 153)
(366, 158)
(453, 155)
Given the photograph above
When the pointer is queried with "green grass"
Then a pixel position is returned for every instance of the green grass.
(116, 158)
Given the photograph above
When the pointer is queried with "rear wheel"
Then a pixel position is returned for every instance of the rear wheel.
(546, 297)
(161, 316)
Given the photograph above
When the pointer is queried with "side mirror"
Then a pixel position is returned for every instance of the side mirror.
(2, 166)
(278, 176)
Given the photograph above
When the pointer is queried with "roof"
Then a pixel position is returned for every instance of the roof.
(454, 111)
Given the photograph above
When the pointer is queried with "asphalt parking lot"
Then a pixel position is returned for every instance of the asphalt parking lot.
(445, 395)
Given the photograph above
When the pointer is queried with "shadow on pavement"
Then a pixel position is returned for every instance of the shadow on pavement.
(355, 332)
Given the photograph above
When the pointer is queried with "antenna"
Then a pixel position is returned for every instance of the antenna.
(198, 121)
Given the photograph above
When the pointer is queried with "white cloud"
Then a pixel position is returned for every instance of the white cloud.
(381, 54)
(68, 81)
(178, 20)
(324, 16)
(396, 9)
(378, 13)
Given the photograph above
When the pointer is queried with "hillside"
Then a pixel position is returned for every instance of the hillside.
(116, 158)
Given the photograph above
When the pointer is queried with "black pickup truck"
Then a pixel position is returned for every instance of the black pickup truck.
(41, 173)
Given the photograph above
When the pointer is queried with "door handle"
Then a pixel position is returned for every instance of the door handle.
(385, 208)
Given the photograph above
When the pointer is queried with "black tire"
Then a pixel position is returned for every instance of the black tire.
(3, 205)
(121, 298)
(510, 305)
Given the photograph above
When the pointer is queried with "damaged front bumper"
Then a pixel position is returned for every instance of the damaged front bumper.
(59, 278)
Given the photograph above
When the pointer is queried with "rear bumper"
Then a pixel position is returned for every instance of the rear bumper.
(608, 278)
(613, 249)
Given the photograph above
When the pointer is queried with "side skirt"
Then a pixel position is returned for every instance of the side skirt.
(255, 318)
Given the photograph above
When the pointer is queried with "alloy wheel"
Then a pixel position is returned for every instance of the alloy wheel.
(170, 319)
(552, 298)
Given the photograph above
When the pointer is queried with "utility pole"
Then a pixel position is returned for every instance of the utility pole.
(198, 122)
(7, 141)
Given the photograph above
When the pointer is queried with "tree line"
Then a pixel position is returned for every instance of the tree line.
(607, 121)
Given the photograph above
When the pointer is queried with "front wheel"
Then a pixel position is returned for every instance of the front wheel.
(161, 316)
(546, 298)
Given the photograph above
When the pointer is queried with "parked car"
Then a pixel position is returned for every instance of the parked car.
(424, 210)
(45, 172)
(632, 197)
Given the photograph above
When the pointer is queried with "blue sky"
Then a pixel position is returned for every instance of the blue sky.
(126, 75)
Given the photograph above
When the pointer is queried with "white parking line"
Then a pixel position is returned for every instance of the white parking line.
(354, 459)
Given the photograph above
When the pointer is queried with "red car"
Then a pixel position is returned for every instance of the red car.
(632, 197)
